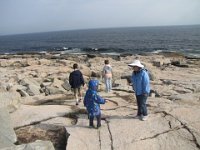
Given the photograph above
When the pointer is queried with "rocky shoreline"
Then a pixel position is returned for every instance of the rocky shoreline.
(38, 108)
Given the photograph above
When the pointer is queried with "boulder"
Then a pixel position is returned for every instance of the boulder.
(33, 87)
(161, 62)
(49, 90)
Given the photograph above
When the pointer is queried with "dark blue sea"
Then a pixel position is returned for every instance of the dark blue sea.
(134, 40)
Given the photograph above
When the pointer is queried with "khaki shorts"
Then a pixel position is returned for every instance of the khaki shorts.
(77, 91)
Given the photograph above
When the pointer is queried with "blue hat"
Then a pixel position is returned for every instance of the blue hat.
(93, 84)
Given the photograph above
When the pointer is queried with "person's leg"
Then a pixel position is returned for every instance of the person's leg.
(98, 120)
(80, 94)
(76, 95)
(91, 118)
(107, 84)
(139, 111)
(143, 105)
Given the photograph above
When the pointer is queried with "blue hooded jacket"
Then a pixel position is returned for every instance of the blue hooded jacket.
(141, 83)
(92, 100)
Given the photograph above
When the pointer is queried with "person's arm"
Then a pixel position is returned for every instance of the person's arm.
(145, 84)
(99, 99)
(70, 79)
(132, 81)
(103, 72)
(111, 71)
(82, 79)
(85, 100)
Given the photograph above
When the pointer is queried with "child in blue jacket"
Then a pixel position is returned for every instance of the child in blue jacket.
(92, 102)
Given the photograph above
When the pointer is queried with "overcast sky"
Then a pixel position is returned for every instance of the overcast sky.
(25, 16)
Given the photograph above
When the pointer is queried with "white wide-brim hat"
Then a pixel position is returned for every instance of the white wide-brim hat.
(136, 63)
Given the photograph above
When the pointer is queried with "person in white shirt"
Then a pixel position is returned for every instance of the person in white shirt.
(107, 75)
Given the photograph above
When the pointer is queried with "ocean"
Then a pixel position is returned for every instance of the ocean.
(133, 40)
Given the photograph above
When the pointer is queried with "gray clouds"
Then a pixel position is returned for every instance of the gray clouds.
(24, 16)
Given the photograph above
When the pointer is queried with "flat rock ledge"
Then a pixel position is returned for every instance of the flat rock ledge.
(38, 111)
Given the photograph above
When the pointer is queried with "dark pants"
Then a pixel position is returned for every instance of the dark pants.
(141, 103)
(98, 121)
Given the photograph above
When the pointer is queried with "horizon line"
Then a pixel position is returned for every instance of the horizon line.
(98, 28)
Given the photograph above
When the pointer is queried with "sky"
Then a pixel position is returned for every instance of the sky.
(29, 16)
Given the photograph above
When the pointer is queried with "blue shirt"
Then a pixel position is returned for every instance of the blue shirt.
(141, 83)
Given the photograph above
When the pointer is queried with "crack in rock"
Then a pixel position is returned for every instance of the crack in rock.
(118, 107)
(70, 115)
(99, 133)
(109, 130)
(170, 124)
(193, 136)
(165, 114)
(184, 125)
(35, 122)
(158, 134)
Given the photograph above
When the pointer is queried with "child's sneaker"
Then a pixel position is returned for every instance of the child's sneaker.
(91, 125)
(98, 126)
(144, 118)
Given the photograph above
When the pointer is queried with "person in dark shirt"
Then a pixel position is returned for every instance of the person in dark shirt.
(76, 81)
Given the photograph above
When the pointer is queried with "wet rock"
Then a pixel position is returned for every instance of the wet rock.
(91, 55)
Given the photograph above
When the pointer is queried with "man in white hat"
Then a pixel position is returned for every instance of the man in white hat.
(141, 86)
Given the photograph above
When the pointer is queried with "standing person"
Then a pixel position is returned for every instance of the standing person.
(141, 86)
(76, 81)
(107, 75)
(92, 102)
